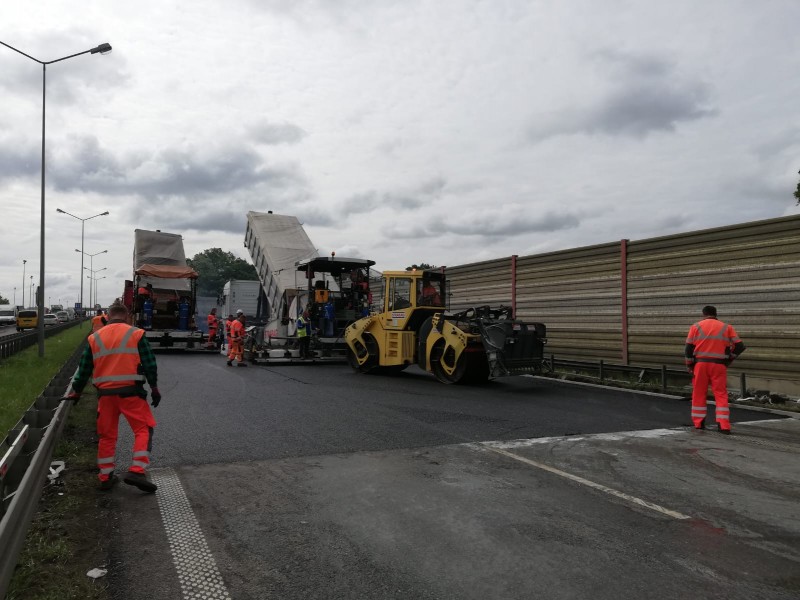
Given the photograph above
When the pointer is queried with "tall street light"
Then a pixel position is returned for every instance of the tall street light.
(92, 279)
(15, 297)
(104, 48)
(23, 282)
(83, 223)
(96, 286)
(31, 295)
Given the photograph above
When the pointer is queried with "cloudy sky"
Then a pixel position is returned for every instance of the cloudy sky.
(443, 131)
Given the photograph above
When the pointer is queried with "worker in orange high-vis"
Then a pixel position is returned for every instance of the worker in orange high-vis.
(119, 359)
(236, 342)
(213, 325)
(710, 347)
(98, 321)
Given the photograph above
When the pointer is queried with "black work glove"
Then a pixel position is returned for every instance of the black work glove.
(155, 396)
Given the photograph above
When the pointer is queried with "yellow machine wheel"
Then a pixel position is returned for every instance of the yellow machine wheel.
(471, 368)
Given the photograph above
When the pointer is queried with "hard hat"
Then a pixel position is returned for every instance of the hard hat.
(240, 312)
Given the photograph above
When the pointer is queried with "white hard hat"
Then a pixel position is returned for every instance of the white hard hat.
(240, 312)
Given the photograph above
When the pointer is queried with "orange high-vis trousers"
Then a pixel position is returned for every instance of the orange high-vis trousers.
(139, 416)
(236, 351)
(717, 376)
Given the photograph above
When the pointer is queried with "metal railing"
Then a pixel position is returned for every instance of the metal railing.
(25, 458)
(11, 344)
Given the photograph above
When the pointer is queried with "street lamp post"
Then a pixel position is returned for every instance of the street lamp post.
(83, 222)
(96, 285)
(15, 297)
(23, 282)
(92, 279)
(30, 297)
(104, 48)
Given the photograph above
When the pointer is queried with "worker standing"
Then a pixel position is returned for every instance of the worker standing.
(303, 325)
(236, 342)
(213, 325)
(710, 347)
(119, 359)
(98, 321)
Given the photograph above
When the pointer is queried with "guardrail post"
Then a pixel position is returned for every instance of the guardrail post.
(743, 385)
(663, 379)
(602, 372)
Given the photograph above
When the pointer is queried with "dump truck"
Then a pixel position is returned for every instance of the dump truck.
(162, 294)
(469, 346)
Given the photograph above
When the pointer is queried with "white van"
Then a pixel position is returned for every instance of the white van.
(7, 315)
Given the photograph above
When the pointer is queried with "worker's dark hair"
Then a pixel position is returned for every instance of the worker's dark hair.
(709, 311)
(117, 311)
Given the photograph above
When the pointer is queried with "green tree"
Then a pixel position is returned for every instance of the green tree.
(420, 267)
(215, 267)
(797, 191)
(4, 300)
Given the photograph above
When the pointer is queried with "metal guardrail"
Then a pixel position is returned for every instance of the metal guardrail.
(11, 344)
(660, 376)
(25, 460)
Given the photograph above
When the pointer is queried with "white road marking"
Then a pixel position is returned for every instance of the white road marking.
(197, 570)
(499, 447)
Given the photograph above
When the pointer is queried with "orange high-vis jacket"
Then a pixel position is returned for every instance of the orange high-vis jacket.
(213, 323)
(115, 354)
(237, 331)
(711, 340)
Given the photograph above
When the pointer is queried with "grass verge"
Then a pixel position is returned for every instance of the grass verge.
(24, 375)
(71, 530)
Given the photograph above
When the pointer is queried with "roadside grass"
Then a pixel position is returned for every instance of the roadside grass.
(73, 523)
(71, 531)
(24, 375)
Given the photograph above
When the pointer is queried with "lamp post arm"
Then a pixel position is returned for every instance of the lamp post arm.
(21, 52)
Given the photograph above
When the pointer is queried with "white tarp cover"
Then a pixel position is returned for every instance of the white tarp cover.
(160, 248)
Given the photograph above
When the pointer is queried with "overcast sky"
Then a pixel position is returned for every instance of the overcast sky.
(440, 131)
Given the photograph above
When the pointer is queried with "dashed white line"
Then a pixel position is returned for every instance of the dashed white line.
(197, 570)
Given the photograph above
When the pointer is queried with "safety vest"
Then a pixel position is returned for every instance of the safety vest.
(212, 323)
(115, 354)
(712, 340)
(302, 327)
(97, 323)
(237, 331)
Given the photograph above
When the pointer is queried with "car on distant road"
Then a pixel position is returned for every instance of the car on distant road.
(27, 318)
(62, 316)
(50, 319)
(7, 316)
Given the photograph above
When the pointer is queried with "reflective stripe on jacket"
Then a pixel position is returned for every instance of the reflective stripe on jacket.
(115, 355)
(711, 340)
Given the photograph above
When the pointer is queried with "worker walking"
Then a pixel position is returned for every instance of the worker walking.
(213, 325)
(303, 325)
(118, 358)
(710, 347)
(236, 341)
(98, 321)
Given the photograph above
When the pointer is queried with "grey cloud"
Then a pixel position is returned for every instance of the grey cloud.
(422, 195)
(647, 95)
(19, 160)
(506, 225)
(88, 167)
(277, 133)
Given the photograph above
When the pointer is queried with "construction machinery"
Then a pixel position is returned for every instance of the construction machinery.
(469, 346)
(335, 291)
(162, 295)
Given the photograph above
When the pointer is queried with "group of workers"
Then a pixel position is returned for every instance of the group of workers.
(234, 333)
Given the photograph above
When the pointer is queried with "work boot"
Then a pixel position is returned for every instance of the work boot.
(230, 363)
(140, 481)
(701, 426)
(241, 364)
(107, 484)
(724, 431)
